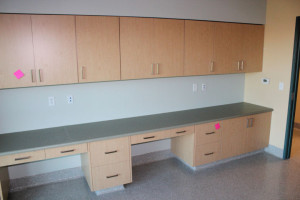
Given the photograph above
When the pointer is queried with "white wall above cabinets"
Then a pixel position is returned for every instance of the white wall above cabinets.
(245, 11)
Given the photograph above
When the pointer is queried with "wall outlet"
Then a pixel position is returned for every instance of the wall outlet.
(195, 87)
(281, 86)
(51, 101)
(70, 99)
(203, 88)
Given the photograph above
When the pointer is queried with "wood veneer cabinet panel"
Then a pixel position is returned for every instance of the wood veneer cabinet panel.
(66, 150)
(20, 158)
(54, 49)
(198, 48)
(253, 42)
(16, 51)
(168, 47)
(136, 44)
(258, 131)
(109, 151)
(98, 48)
(4, 183)
(227, 47)
(111, 175)
(234, 137)
(207, 153)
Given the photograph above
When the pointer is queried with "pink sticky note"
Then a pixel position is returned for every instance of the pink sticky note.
(217, 126)
(19, 74)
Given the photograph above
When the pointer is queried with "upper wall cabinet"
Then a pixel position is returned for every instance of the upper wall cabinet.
(253, 43)
(151, 48)
(228, 42)
(54, 49)
(98, 48)
(221, 48)
(198, 48)
(16, 51)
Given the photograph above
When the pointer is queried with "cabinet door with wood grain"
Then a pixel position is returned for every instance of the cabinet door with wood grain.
(253, 42)
(98, 48)
(198, 57)
(54, 49)
(234, 137)
(228, 42)
(16, 51)
(258, 131)
(168, 47)
(136, 44)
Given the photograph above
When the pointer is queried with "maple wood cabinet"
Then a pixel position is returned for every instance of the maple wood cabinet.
(223, 139)
(16, 51)
(151, 48)
(54, 49)
(98, 49)
(222, 48)
(64, 49)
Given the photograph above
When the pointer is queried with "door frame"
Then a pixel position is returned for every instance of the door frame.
(293, 93)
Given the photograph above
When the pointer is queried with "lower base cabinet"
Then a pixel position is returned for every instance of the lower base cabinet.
(108, 163)
(220, 140)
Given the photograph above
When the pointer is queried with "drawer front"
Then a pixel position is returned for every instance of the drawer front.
(148, 137)
(207, 133)
(19, 158)
(111, 175)
(207, 153)
(109, 151)
(182, 131)
(66, 150)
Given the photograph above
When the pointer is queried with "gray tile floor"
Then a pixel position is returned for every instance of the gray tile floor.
(260, 177)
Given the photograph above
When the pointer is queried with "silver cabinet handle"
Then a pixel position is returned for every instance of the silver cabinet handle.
(152, 69)
(207, 154)
(116, 175)
(178, 132)
(83, 72)
(41, 75)
(250, 122)
(210, 133)
(238, 65)
(145, 138)
(157, 68)
(33, 76)
(109, 152)
(23, 158)
(212, 66)
(242, 66)
(68, 151)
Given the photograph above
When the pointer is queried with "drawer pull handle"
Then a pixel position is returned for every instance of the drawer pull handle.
(68, 151)
(113, 176)
(210, 133)
(23, 158)
(207, 154)
(149, 137)
(180, 132)
(109, 152)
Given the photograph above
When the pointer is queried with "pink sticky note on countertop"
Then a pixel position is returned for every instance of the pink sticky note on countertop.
(19, 74)
(217, 126)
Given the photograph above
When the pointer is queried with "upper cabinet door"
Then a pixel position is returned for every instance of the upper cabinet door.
(136, 43)
(198, 48)
(168, 47)
(253, 43)
(228, 40)
(98, 48)
(54, 49)
(16, 51)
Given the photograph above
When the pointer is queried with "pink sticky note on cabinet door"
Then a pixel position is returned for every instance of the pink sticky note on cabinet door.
(217, 126)
(18, 74)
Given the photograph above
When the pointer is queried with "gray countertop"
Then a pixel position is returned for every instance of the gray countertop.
(74, 134)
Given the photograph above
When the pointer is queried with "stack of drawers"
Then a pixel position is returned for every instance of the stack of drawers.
(208, 143)
(110, 162)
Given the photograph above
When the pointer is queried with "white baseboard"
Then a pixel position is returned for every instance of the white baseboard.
(275, 151)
